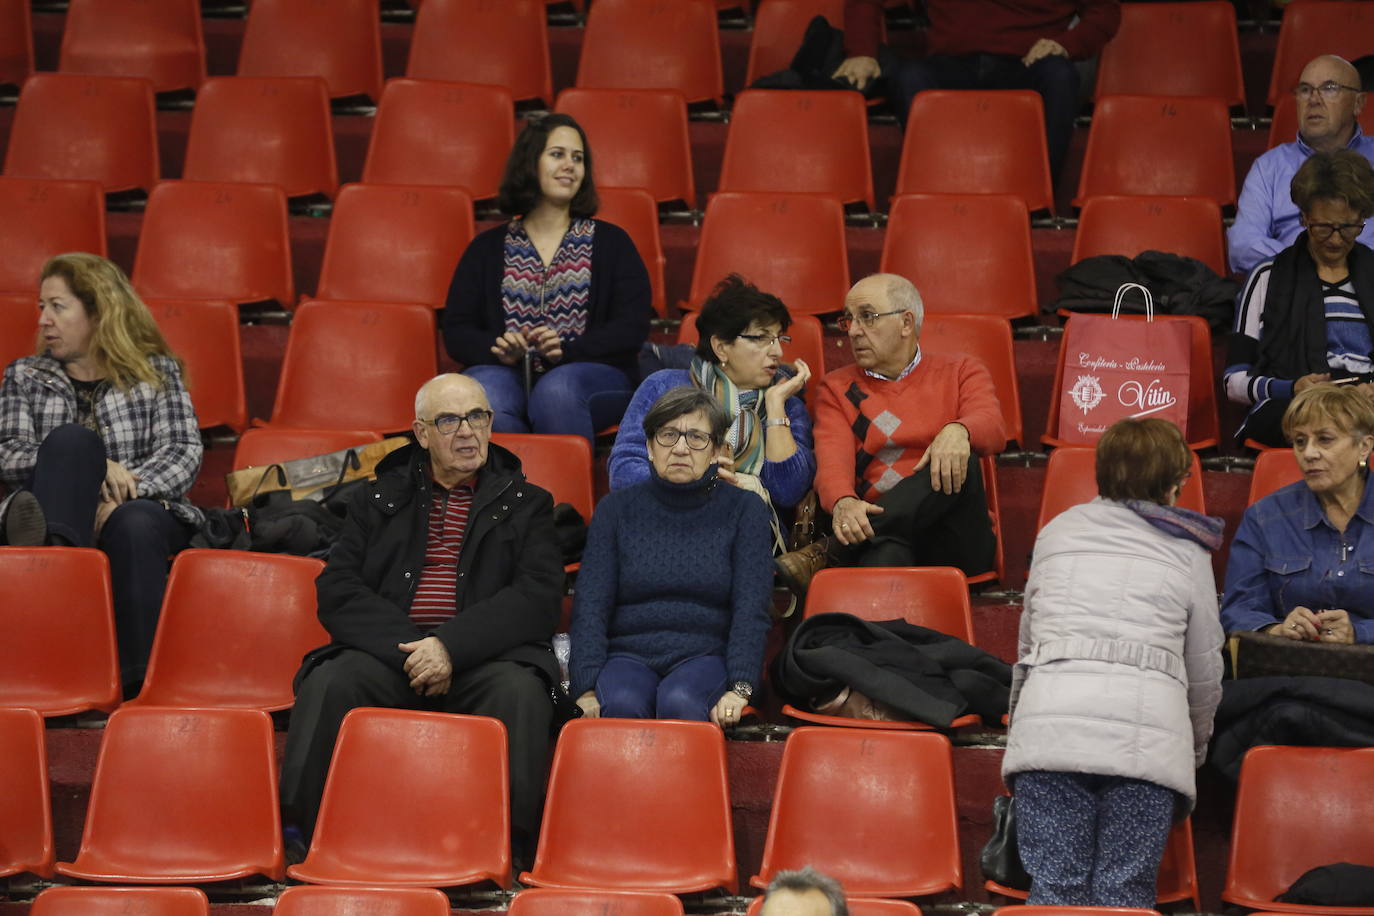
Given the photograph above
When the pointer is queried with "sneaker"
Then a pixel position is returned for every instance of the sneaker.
(24, 524)
(796, 568)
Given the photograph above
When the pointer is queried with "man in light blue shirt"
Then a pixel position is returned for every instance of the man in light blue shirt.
(1330, 97)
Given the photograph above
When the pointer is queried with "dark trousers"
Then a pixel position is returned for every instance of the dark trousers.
(139, 537)
(920, 526)
(510, 691)
(1090, 840)
(1054, 77)
(629, 689)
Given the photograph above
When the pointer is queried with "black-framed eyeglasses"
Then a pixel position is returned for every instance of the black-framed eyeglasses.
(867, 319)
(765, 340)
(448, 423)
(1329, 90)
(1323, 231)
(667, 437)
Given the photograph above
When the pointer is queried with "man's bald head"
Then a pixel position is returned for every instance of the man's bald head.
(441, 386)
(1330, 97)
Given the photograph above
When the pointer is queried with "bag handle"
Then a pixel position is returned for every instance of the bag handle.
(350, 462)
(281, 478)
(1121, 295)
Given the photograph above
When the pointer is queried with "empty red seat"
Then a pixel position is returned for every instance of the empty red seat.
(779, 26)
(634, 210)
(94, 128)
(1071, 479)
(988, 339)
(24, 793)
(550, 901)
(1174, 49)
(370, 830)
(121, 901)
(306, 900)
(393, 243)
(16, 42)
(560, 464)
(824, 134)
(1159, 145)
(271, 445)
(1274, 468)
(39, 219)
(1284, 127)
(339, 41)
(1312, 28)
(207, 240)
(1190, 226)
(263, 130)
(182, 796)
(64, 663)
(428, 132)
(205, 334)
(629, 44)
(987, 235)
(18, 326)
(498, 44)
(792, 246)
(638, 139)
(157, 39)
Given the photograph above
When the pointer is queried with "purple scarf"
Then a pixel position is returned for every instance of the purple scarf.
(1179, 522)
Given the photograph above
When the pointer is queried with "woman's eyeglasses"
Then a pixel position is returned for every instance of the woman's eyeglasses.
(765, 340)
(1323, 231)
(667, 437)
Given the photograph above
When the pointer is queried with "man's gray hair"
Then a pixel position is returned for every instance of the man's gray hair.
(442, 378)
(903, 296)
(808, 879)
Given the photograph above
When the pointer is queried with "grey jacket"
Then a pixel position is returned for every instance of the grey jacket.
(1119, 665)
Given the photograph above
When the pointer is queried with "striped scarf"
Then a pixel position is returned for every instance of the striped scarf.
(533, 295)
(745, 409)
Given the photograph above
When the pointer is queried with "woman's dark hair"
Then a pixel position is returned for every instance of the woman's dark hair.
(678, 402)
(1141, 459)
(519, 192)
(1343, 175)
(733, 305)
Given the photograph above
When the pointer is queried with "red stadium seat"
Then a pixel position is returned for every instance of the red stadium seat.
(988, 339)
(394, 243)
(497, 44)
(1274, 468)
(638, 139)
(16, 42)
(560, 464)
(630, 44)
(182, 796)
(24, 794)
(205, 240)
(159, 40)
(370, 831)
(39, 219)
(1190, 226)
(634, 210)
(234, 626)
(305, 900)
(1158, 145)
(339, 41)
(792, 246)
(205, 334)
(1312, 28)
(825, 135)
(18, 326)
(428, 132)
(92, 128)
(666, 772)
(858, 906)
(121, 901)
(1284, 127)
(965, 142)
(1071, 479)
(264, 130)
(779, 26)
(988, 235)
(64, 663)
(894, 832)
(1174, 49)
(549, 901)
(808, 343)
(271, 445)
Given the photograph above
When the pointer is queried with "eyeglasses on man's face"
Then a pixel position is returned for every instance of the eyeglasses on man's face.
(765, 341)
(448, 423)
(667, 437)
(1329, 91)
(865, 318)
(1323, 231)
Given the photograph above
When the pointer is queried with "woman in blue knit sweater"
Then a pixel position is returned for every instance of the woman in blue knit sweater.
(671, 609)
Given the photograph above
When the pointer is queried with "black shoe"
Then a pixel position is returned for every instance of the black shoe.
(24, 524)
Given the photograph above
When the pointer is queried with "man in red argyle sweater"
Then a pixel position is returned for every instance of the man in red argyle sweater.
(898, 437)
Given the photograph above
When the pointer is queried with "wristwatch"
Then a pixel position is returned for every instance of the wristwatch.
(778, 421)
(743, 689)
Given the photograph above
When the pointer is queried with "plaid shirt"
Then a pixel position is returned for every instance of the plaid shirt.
(152, 432)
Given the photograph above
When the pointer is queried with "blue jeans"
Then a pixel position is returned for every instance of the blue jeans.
(629, 689)
(572, 399)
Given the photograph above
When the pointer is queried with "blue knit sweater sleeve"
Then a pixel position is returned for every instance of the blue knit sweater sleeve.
(594, 598)
(751, 594)
(629, 461)
(788, 480)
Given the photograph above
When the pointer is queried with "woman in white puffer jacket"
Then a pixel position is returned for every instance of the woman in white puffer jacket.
(1118, 676)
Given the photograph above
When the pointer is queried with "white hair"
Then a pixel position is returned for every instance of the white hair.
(445, 378)
(903, 296)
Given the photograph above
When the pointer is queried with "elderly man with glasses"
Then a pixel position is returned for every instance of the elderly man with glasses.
(1329, 98)
(898, 437)
(442, 593)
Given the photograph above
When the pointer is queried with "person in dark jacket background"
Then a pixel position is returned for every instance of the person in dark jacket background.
(442, 593)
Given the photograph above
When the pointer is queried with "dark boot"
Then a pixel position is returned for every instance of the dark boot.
(21, 521)
(796, 568)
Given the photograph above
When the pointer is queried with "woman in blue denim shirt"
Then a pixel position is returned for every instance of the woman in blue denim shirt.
(1302, 563)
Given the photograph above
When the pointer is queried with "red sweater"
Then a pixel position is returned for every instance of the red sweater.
(1007, 27)
(867, 427)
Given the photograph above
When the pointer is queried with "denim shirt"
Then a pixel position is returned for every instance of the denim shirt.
(1286, 554)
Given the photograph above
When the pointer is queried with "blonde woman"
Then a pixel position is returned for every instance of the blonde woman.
(98, 430)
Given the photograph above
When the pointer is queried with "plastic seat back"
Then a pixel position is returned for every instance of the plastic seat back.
(548, 901)
(894, 832)
(790, 246)
(392, 243)
(825, 135)
(1294, 812)
(57, 663)
(666, 772)
(634, 210)
(1174, 49)
(18, 326)
(560, 464)
(209, 240)
(355, 365)
(779, 27)
(339, 41)
(1190, 226)
(39, 219)
(264, 130)
(630, 44)
(182, 796)
(988, 235)
(233, 629)
(504, 43)
(270, 445)
(858, 906)
(205, 334)
(159, 40)
(1274, 468)
(1312, 28)
(24, 794)
(16, 42)
(935, 597)
(307, 900)
(371, 832)
(638, 138)
(91, 128)
(1071, 479)
(1159, 145)
(967, 142)
(121, 901)
(987, 338)
(428, 132)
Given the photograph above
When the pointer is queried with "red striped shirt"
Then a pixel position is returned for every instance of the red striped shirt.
(436, 597)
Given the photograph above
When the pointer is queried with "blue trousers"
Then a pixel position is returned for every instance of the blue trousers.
(629, 689)
(572, 399)
(1089, 840)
